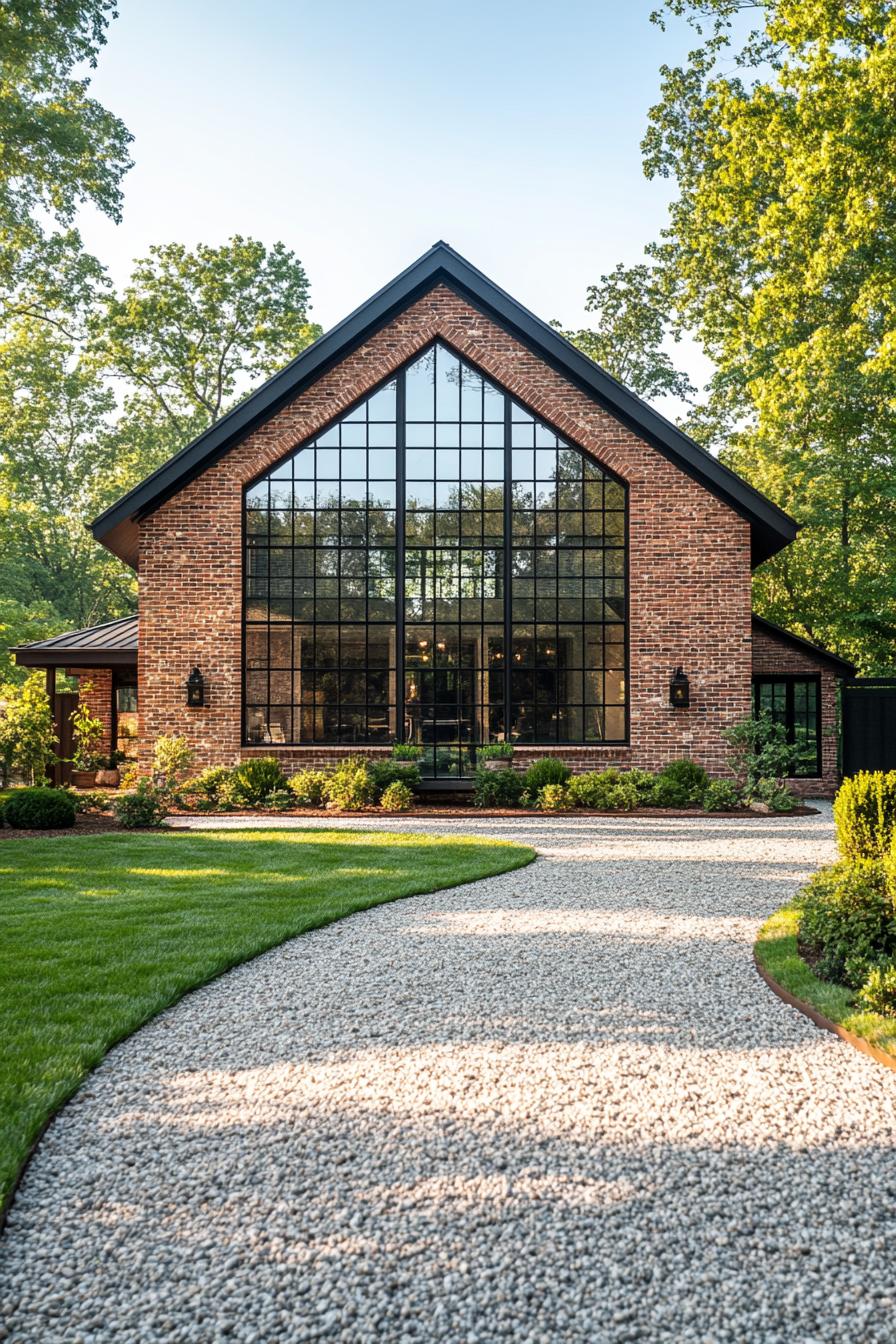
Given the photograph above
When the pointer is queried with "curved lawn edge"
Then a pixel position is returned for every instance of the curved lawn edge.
(777, 959)
(517, 856)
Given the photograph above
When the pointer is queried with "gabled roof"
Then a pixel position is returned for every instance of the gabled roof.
(113, 644)
(838, 665)
(118, 528)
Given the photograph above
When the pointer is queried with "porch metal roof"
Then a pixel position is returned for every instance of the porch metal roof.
(112, 644)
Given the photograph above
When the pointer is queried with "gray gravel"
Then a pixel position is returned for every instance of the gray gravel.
(558, 1105)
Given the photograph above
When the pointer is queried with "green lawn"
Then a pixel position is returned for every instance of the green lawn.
(778, 953)
(99, 933)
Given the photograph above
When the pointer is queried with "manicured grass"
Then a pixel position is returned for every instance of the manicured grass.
(99, 933)
(777, 952)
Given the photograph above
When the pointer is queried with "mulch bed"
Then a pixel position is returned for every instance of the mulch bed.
(94, 823)
(449, 811)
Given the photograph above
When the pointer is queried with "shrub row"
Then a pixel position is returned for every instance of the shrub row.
(548, 785)
(354, 783)
(847, 912)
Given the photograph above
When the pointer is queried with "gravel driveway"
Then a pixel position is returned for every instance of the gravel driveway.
(557, 1105)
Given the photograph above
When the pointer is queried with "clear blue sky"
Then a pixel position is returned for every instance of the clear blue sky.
(358, 134)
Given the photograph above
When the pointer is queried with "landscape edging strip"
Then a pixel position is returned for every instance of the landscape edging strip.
(857, 1042)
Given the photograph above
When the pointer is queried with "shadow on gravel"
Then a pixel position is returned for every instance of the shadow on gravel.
(428, 1226)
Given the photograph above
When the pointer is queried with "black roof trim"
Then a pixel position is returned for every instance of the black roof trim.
(772, 528)
(840, 665)
(112, 644)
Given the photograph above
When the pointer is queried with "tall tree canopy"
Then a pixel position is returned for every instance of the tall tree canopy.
(193, 331)
(57, 469)
(780, 257)
(84, 417)
(632, 328)
(59, 148)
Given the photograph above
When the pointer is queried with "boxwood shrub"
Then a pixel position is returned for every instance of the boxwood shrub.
(680, 783)
(865, 814)
(605, 790)
(39, 809)
(397, 797)
(350, 787)
(309, 787)
(847, 921)
(384, 773)
(497, 788)
(721, 795)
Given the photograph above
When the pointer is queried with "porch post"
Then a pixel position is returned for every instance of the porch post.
(54, 770)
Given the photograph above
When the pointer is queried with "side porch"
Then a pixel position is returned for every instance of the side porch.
(103, 660)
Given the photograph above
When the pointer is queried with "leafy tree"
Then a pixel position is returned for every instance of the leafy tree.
(780, 258)
(194, 331)
(633, 324)
(27, 733)
(186, 336)
(58, 468)
(59, 148)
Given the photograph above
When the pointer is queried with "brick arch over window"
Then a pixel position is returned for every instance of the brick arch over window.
(438, 566)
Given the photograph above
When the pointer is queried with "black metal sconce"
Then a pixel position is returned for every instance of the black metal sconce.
(679, 690)
(195, 689)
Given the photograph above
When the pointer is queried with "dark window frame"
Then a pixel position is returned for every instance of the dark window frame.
(122, 678)
(789, 681)
(401, 548)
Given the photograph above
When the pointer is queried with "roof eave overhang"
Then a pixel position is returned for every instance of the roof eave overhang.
(28, 656)
(118, 527)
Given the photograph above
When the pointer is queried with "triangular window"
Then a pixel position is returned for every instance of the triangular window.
(439, 567)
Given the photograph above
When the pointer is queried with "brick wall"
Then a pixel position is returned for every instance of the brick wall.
(689, 580)
(772, 657)
(95, 691)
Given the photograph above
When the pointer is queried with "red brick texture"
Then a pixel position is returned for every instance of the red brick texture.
(689, 560)
(95, 691)
(772, 658)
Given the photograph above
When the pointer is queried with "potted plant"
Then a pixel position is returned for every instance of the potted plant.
(495, 755)
(406, 751)
(108, 775)
(88, 734)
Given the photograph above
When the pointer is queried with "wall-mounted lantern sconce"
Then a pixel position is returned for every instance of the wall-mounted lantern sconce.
(679, 690)
(195, 689)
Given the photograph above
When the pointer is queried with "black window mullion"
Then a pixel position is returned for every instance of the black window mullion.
(400, 497)
(443, 561)
(790, 711)
(506, 564)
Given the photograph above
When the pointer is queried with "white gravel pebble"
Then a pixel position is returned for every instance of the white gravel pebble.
(557, 1105)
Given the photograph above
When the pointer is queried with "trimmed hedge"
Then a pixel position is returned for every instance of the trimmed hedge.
(865, 814)
(39, 809)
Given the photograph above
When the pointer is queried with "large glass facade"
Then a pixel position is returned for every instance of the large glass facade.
(438, 567)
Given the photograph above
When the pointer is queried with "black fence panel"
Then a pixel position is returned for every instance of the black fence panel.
(868, 712)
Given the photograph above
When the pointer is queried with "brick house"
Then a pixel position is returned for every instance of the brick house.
(443, 524)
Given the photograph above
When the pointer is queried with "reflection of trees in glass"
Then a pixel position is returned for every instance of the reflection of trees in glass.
(463, 474)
